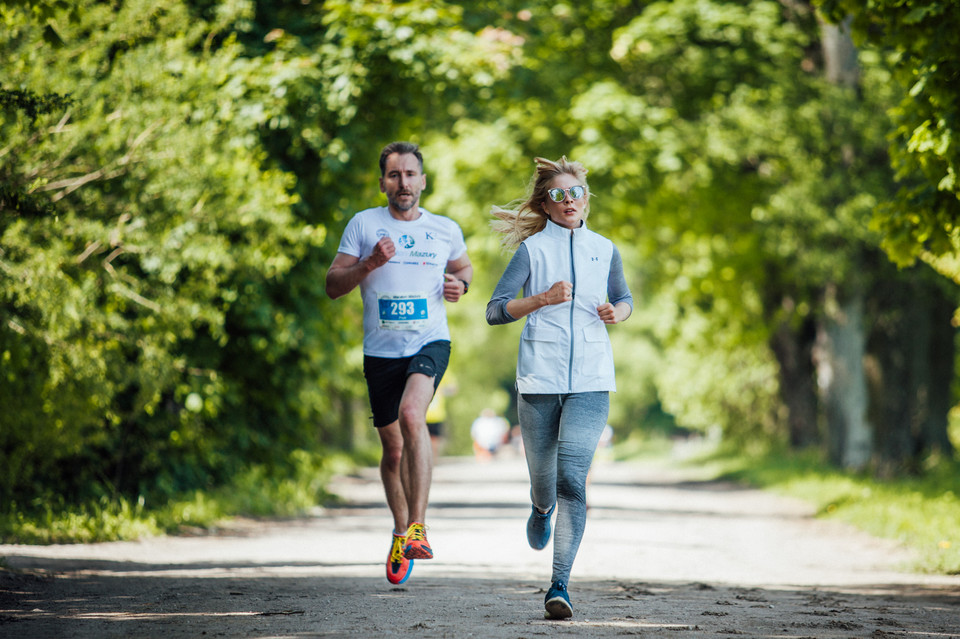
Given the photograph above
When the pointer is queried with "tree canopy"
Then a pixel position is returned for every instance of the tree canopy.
(921, 40)
(176, 175)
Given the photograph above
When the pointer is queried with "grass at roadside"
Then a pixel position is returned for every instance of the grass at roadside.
(255, 493)
(921, 512)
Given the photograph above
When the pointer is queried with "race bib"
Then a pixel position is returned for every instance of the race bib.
(402, 311)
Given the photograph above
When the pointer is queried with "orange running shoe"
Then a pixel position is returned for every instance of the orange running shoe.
(417, 546)
(398, 566)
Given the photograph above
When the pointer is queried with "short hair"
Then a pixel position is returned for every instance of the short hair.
(402, 148)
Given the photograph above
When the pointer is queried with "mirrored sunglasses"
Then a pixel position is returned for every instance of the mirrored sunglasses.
(558, 194)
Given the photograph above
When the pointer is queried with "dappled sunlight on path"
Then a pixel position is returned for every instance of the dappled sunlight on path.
(665, 551)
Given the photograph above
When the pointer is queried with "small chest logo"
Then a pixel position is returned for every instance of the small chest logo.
(383, 233)
(406, 241)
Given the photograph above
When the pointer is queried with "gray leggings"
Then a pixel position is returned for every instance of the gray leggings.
(560, 436)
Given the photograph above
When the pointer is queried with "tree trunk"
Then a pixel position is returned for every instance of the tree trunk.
(933, 434)
(841, 342)
(912, 355)
(794, 352)
(839, 55)
(342, 435)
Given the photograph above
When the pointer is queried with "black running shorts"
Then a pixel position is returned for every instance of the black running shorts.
(387, 377)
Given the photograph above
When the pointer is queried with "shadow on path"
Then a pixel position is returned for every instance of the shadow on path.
(78, 604)
(671, 558)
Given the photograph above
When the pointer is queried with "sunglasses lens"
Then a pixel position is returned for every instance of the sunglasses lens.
(558, 195)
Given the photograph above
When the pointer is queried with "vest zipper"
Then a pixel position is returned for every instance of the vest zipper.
(573, 297)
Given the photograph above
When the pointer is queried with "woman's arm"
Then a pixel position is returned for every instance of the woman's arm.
(559, 293)
(620, 305)
(512, 280)
(505, 307)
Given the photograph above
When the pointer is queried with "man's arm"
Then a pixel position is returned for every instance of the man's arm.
(457, 270)
(347, 271)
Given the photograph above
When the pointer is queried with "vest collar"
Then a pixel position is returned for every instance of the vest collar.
(552, 229)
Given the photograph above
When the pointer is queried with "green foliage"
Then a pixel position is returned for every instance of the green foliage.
(164, 232)
(743, 179)
(163, 325)
(58, 522)
(921, 39)
(32, 104)
(169, 238)
(257, 491)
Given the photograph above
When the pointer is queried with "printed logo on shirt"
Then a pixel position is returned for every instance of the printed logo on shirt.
(406, 241)
(383, 233)
(429, 236)
(594, 259)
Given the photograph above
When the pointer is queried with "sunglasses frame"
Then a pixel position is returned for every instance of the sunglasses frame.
(563, 193)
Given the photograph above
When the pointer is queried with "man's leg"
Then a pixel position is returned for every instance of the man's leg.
(392, 473)
(423, 375)
(417, 451)
(399, 568)
(386, 380)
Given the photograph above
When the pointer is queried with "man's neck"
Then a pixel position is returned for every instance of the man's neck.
(405, 216)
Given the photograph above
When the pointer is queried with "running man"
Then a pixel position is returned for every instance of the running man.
(406, 261)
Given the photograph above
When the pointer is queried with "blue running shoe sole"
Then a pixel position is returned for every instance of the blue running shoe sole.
(557, 602)
(558, 608)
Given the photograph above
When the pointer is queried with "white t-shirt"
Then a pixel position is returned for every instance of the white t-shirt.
(403, 306)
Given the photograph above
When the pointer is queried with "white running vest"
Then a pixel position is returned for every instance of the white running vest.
(564, 348)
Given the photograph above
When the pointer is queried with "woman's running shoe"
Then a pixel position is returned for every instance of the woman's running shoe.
(557, 602)
(538, 528)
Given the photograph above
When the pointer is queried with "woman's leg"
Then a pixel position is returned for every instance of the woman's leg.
(540, 426)
(582, 419)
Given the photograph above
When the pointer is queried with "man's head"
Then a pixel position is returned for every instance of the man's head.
(401, 176)
(402, 148)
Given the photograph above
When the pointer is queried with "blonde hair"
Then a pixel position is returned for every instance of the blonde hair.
(520, 219)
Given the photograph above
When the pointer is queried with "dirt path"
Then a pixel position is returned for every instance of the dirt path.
(664, 555)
